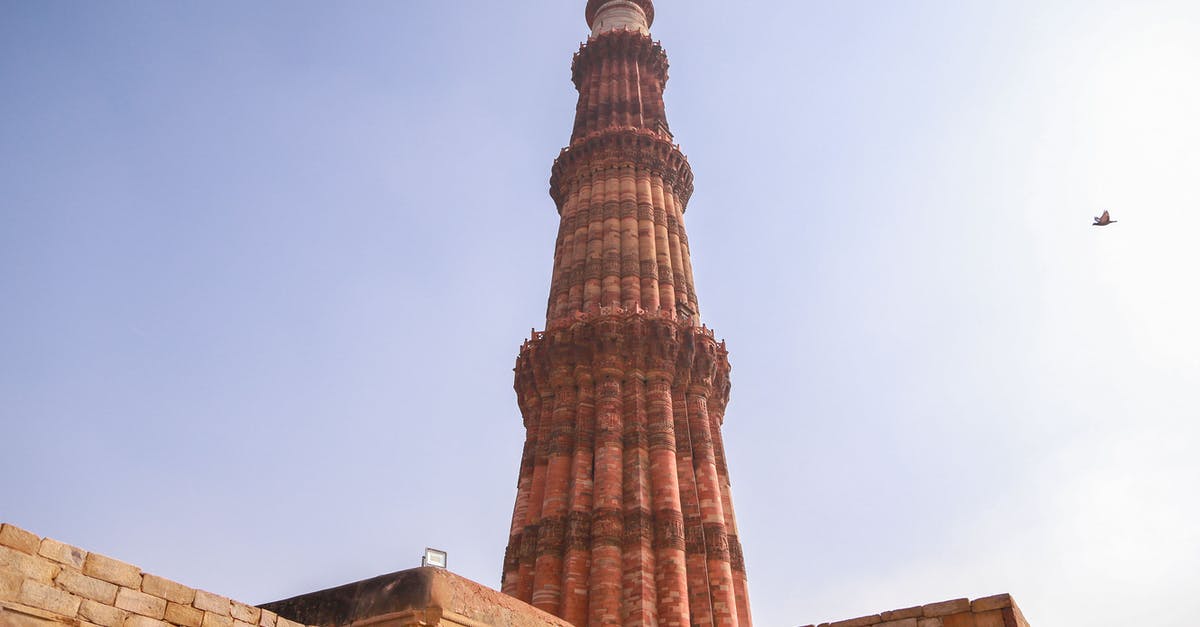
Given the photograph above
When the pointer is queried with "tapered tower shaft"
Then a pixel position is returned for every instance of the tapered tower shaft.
(624, 513)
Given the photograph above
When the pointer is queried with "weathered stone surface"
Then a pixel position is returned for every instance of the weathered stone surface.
(19, 539)
(213, 603)
(141, 603)
(80, 584)
(908, 612)
(216, 620)
(993, 602)
(943, 608)
(952, 613)
(10, 585)
(27, 565)
(416, 589)
(62, 553)
(137, 620)
(19, 615)
(961, 619)
(49, 598)
(267, 619)
(112, 571)
(244, 613)
(167, 589)
(992, 618)
(184, 615)
(101, 613)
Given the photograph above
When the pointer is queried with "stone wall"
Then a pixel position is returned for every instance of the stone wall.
(45, 583)
(994, 611)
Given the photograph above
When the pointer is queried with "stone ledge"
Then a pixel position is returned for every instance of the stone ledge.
(982, 612)
(418, 594)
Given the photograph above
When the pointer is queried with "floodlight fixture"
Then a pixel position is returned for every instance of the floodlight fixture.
(434, 558)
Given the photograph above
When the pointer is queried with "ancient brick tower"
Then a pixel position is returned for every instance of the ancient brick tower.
(623, 512)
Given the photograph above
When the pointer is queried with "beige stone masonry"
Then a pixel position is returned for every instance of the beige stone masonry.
(40, 595)
(80, 584)
(101, 614)
(214, 603)
(216, 620)
(993, 611)
(167, 589)
(908, 612)
(184, 615)
(10, 585)
(141, 603)
(991, 603)
(953, 606)
(62, 553)
(245, 613)
(142, 621)
(47, 583)
(28, 566)
(112, 571)
(19, 539)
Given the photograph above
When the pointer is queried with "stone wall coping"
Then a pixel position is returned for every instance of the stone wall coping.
(931, 613)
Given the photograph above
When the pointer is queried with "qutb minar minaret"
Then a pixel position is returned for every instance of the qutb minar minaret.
(623, 512)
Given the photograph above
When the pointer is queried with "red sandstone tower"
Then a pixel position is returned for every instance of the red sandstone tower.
(623, 511)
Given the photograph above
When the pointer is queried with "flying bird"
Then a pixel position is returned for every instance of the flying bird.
(1102, 220)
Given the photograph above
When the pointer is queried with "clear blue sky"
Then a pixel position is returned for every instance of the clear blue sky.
(265, 268)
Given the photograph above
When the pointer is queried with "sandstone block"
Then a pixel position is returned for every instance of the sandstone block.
(284, 622)
(185, 615)
(239, 623)
(141, 603)
(28, 566)
(953, 606)
(19, 539)
(25, 616)
(214, 603)
(80, 584)
(62, 553)
(267, 619)
(929, 622)
(216, 620)
(994, 618)
(908, 612)
(135, 620)
(962, 619)
(48, 598)
(244, 613)
(10, 585)
(112, 571)
(994, 602)
(167, 589)
(101, 614)
(862, 621)
(903, 622)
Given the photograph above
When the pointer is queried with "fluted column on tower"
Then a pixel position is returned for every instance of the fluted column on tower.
(624, 513)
